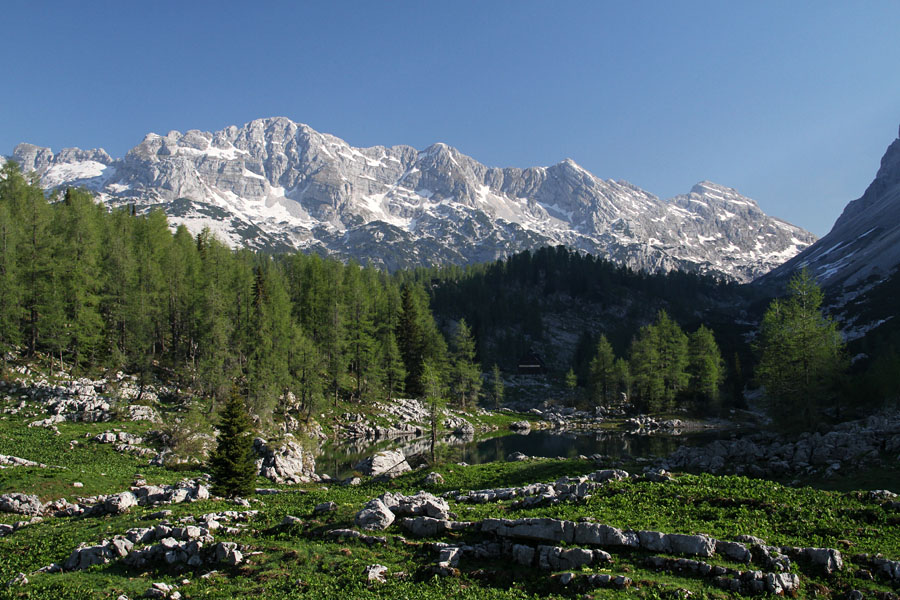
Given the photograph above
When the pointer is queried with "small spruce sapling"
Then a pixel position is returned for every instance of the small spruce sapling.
(232, 463)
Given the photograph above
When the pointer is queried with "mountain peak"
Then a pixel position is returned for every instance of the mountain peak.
(276, 184)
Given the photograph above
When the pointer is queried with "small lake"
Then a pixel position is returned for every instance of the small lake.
(337, 460)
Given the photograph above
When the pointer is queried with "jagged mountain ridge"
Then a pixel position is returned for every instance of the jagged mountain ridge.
(280, 185)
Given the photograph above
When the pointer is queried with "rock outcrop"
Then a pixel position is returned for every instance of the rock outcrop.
(285, 461)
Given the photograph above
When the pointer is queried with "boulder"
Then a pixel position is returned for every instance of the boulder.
(375, 516)
(692, 545)
(520, 426)
(139, 412)
(733, 550)
(15, 461)
(654, 541)
(121, 503)
(829, 559)
(424, 526)
(422, 503)
(388, 462)
(228, 553)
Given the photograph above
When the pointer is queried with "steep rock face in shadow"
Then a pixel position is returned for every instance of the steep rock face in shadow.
(864, 244)
(278, 185)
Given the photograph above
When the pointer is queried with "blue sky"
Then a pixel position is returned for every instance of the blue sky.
(792, 103)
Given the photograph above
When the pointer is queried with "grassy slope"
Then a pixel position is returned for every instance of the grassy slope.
(299, 563)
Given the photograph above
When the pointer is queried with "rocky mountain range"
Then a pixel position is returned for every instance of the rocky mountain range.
(278, 185)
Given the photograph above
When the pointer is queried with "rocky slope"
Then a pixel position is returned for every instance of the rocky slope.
(864, 243)
(279, 185)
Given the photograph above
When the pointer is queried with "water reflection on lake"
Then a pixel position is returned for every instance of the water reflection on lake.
(338, 460)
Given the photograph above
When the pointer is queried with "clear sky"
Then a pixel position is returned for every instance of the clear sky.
(792, 103)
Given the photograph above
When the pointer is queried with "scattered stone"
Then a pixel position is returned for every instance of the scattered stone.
(15, 461)
(22, 504)
(325, 507)
(376, 573)
(434, 479)
(227, 553)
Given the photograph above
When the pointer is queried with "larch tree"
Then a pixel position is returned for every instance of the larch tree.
(601, 377)
(801, 354)
(705, 367)
(497, 390)
(465, 372)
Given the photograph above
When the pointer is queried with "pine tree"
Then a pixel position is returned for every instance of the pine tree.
(360, 332)
(571, 383)
(801, 354)
(182, 275)
(215, 356)
(117, 262)
(232, 464)
(269, 340)
(36, 263)
(145, 316)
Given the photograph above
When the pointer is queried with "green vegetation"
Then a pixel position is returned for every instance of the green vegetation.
(118, 291)
(262, 341)
(296, 561)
